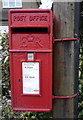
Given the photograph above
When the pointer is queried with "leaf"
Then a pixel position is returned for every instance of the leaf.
(6, 59)
(33, 117)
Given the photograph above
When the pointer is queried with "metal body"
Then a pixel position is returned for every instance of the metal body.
(30, 34)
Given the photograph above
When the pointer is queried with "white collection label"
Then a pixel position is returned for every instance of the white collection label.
(30, 76)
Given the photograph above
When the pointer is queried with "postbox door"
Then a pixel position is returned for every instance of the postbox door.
(39, 101)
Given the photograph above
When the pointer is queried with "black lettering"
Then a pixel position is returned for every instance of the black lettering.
(19, 18)
(45, 18)
(38, 18)
(14, 18)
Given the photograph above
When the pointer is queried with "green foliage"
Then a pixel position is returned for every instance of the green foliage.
(5, 66)
(80, 102)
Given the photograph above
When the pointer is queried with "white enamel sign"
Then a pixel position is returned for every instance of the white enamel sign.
(30, 76)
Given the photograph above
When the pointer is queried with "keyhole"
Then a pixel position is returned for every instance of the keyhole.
(19, 80)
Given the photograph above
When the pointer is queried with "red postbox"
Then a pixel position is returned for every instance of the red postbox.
(30, 43)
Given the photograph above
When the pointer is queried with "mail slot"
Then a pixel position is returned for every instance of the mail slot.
(30, 47)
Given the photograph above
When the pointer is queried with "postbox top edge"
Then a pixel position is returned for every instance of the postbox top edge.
(30, 10)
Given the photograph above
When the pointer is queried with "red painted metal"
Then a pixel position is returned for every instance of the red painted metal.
(64, 97)
(30, 31)
(65, 39)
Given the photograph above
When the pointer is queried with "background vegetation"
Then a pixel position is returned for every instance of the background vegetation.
(7, 112)
(80, 103)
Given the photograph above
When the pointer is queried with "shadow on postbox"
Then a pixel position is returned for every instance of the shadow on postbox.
(30, 47)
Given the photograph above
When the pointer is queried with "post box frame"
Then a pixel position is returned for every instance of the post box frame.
(45, 99)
